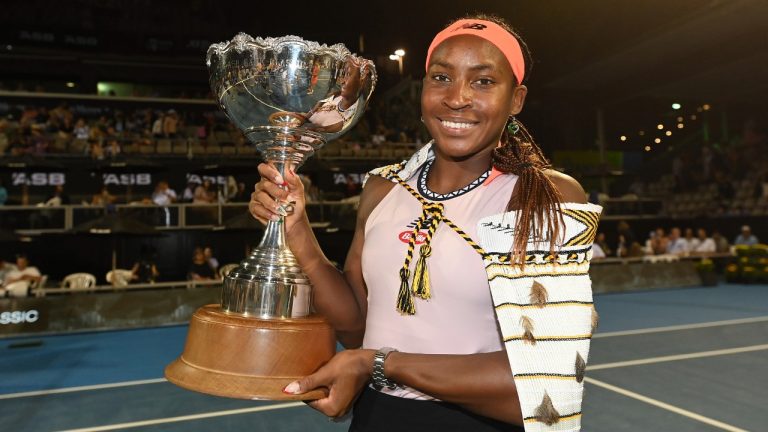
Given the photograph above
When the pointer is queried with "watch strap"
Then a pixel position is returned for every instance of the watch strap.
(380, 380)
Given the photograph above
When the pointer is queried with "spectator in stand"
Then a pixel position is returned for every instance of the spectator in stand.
(761, 187)
(170, 124)
(66, 127)
(204, 193)
(5, 267)
(82, 131)
(96, 150)
(692, 242)
(657, 243)
(189, 193)
(705, 244)
(677, 245)
(57, 198)
(242, 194)
(113, 148)
(16, 282)
(44, 218)
(626, 240)
(102, 124)
(230, 189)
(164, 196)
(603, 243)
(118, 122)
(103, 198)
(145, 269)
(4, 139)
(721, 243)
(200, 269)
(212, 261)
(157, 126)
(746, 238)
(597, 251)
(3, 193)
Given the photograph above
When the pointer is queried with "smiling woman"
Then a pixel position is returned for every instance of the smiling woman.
(465, 300)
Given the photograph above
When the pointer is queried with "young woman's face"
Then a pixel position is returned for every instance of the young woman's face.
(469, 93)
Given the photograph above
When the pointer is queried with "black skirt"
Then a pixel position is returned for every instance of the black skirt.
(378, 412)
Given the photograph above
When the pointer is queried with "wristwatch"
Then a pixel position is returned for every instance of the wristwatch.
(379, 379)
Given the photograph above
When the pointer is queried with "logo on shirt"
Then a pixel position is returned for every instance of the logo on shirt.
(421, 236)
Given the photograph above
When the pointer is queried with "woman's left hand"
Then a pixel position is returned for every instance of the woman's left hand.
(344, 376)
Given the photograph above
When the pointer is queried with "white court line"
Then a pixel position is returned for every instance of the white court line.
(186, 418)
(81, 388)
(666, 406)
(699, 354)
(681, 327)
(598, 335)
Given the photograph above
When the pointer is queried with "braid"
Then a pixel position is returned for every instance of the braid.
(535, 196)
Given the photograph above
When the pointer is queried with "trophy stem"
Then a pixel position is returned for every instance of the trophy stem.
(274, 235)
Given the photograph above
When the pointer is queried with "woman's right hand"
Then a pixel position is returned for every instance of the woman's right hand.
(274, 189)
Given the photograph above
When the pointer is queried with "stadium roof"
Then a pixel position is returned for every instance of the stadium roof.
(712, 50)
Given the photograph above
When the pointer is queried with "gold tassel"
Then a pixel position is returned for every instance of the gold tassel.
(595, 319)
(527, 330)
(546, 412)
(538, 294)
(421, 283)
(581, 367)
(404, 300)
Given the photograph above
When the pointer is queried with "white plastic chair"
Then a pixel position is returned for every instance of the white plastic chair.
(79, 281)
(17, 289)
(119, 277)
(37, 287)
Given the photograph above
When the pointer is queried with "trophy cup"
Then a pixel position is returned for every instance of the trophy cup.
(289, 97)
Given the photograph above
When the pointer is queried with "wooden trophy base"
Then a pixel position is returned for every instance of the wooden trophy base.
(251, 358)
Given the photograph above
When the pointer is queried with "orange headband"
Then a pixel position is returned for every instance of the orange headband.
(491, 32)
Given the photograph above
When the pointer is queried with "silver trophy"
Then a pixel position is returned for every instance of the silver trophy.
(289, 97)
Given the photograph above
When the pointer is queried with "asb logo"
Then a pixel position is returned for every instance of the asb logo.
(19, 317)
(38, 179)
(198, 179)
(140, 179)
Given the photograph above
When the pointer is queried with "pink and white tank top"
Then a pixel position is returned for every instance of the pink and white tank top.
(459, 318)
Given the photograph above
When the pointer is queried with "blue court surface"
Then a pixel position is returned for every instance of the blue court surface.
(679, 360)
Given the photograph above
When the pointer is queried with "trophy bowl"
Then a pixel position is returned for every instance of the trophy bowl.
(289, 97)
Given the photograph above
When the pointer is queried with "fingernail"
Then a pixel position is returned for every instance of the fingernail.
(274, 218)
(284, 184)
(279, 179)
(292, 388)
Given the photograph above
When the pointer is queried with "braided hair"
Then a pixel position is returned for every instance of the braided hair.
(535, 196)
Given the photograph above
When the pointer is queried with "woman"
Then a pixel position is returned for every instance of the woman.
(200, 269)
(204, 193)
(332, 113)
(460, 199)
